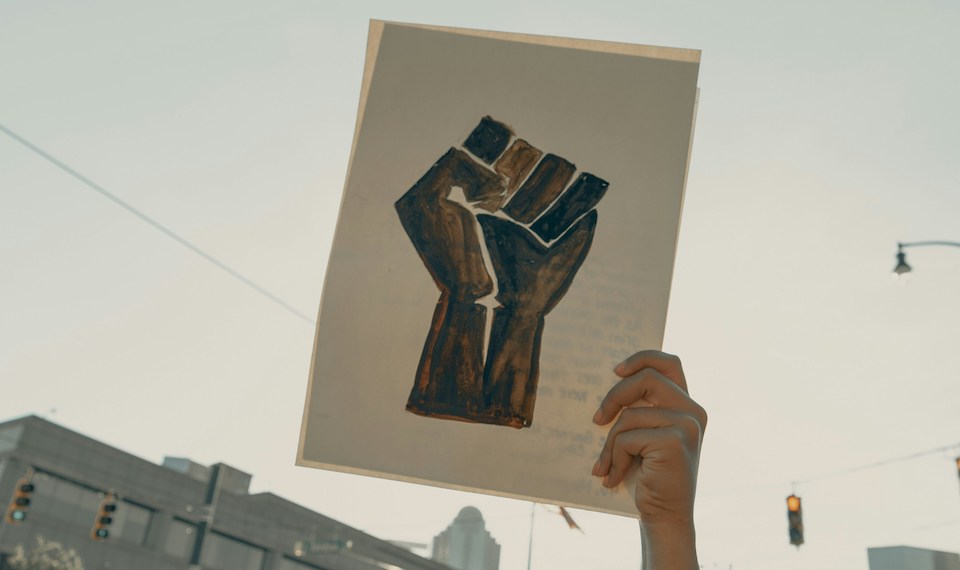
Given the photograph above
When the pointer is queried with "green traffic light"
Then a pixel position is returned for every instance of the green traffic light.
(18, 516)
(102, 533)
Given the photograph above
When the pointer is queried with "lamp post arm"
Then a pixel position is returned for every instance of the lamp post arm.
(916, 243)
(902, 265)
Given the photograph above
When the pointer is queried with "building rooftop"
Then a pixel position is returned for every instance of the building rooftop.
(171, 499)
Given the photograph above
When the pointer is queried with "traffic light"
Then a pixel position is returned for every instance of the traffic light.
(20, 502)
(795, 520)
(101, 524)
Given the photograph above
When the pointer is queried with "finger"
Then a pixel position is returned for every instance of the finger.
(636, 443)
(648, 386)
(488, 140)
(516, 163)
(577, 200)
(669, 438)
(666, 364)
(633, 419)
(630, 419)
(542, 187)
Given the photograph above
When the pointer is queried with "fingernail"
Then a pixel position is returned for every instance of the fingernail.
(619, 367)
(596, 468)
(598, 417)
(606, 481)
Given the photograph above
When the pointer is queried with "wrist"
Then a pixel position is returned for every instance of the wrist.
(669, 544)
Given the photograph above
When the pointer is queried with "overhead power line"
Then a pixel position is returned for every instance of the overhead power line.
(155, 224)
(880, 463)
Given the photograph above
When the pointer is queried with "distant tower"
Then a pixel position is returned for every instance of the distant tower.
(466, 544)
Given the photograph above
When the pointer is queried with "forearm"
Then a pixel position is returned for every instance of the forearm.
(669, 546)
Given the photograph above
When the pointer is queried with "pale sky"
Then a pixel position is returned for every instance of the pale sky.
(827, 132)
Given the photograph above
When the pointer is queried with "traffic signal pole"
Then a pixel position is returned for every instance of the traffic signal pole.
(958, 465)
(210, 504)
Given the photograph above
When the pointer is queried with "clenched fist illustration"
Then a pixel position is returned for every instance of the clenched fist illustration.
(497, 224)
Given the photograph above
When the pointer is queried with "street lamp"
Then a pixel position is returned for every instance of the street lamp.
(902, 265)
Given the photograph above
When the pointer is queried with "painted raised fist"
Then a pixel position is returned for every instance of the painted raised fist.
(501, 226)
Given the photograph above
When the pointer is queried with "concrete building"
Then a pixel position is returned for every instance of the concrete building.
(161, 511)
(910, 558)
(466, 544)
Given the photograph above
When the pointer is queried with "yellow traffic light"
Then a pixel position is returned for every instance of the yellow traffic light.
(793, 504)
(795, 520)
(20, 502)
(101, 524)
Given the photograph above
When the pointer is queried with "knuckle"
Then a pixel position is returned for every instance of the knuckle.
(676, 444)
(675, 361)
(673, 358)
(643, 375)
(702, 416)
(651, 379)
(690, 428)
(629, 417)
(626, 422)
(620, 425)
(652, 384)
(668, 357)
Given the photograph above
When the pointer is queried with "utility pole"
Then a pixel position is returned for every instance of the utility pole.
(210, 504)
(533, 511)
(958, 465)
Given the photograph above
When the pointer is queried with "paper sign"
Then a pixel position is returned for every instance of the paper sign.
(506, 236)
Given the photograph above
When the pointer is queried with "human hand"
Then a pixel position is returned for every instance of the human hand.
(655, 445)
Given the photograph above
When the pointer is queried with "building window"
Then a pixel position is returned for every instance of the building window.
(130, 522)
(225, 553)
(64, 501)
(290, 564)
(10, 437)
(181, 536)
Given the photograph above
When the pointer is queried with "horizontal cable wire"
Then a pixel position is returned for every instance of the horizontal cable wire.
(880, 463)
(155, 224)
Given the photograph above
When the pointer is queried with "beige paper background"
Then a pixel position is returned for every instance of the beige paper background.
(622, 112)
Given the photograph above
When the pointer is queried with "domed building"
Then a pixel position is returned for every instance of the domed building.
(466, 544)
